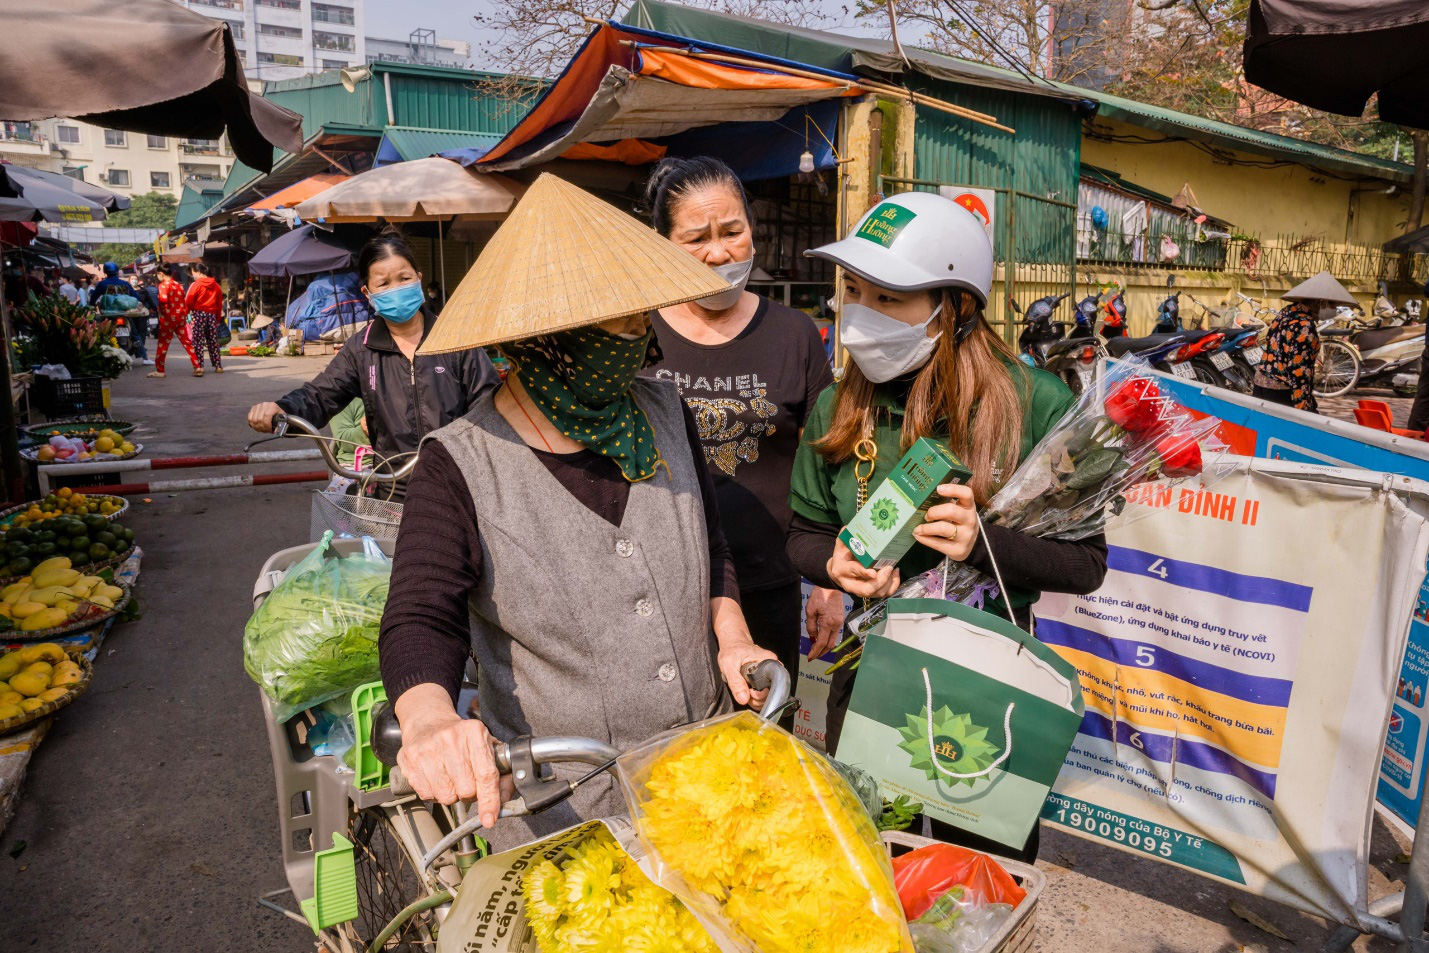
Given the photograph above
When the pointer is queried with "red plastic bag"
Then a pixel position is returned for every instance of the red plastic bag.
(924, 875)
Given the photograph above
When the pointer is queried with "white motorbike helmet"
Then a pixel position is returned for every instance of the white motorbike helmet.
(915, 241)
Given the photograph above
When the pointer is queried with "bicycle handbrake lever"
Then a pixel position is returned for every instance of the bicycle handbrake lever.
(534, 793)
(280, 430)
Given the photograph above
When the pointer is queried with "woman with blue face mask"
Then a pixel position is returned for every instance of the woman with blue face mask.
(405, 395)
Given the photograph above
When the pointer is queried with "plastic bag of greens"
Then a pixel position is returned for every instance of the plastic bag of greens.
(315, 636)
(958, 922)
(763, 839)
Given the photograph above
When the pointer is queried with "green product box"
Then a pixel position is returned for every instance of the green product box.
(881, 532)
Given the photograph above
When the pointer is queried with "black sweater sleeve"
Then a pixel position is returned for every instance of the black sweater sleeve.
(320, 399)
(1043, 565)
(1027, 562)
(426, 633)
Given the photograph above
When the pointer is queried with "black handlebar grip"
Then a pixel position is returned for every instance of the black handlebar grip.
(386, 738)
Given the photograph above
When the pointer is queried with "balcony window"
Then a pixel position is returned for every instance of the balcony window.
(326, 13)
(68, 134)
(158, 142)
(333, 41)
(119, 177)
(219, 4)
(115, 137)
(281, 4)
(272, 29)
(158, 180)
(335, 64)
(280, 59)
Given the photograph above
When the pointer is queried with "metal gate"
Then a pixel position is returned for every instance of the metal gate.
(1034, 246)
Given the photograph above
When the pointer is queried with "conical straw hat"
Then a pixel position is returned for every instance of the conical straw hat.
(1322, 287)
(565, 259)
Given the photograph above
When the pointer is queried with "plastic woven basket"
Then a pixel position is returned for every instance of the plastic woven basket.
(8, 516)
(86, 427)
(10, 725)
(354, 516)
(1016, 935)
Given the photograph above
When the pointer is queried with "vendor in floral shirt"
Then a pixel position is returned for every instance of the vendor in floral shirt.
(1292, 344)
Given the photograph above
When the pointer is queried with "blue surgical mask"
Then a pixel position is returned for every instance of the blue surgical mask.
(398, 304)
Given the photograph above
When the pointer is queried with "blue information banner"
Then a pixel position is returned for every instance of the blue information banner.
(1256, 428)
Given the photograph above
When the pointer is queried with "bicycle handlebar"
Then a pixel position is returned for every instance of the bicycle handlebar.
(523, 757)
(281, 425)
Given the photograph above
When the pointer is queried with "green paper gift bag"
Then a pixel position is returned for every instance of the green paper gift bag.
(965, 712)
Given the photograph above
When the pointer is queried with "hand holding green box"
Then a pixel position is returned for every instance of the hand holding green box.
(881, 532)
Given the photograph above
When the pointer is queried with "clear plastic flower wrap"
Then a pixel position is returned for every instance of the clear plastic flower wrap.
(1125, 436)
(759, 835)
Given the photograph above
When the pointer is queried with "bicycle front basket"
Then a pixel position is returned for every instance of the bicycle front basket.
(354, 516)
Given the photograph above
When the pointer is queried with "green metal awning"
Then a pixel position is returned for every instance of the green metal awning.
(404, 143)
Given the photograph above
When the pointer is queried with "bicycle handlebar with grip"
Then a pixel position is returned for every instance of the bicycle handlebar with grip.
(281, 423)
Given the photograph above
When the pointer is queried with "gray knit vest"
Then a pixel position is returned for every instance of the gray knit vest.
(580, 627)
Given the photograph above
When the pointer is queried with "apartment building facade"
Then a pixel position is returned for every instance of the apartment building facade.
(129, 163)
(280, 39)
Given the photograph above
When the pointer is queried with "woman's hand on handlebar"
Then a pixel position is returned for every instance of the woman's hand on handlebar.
(856, 580)
(260, 416)
(445, 757)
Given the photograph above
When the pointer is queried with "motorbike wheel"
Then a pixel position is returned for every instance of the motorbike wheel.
(1337, 369)
(1207, 374)
(1238, 380)
(1073, 382)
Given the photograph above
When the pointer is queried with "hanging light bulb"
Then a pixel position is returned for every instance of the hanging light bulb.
(806, 161)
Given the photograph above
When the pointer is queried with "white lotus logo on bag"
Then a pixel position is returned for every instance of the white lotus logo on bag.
(958, 745)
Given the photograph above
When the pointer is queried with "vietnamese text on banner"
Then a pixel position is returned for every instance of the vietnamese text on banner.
(1238, 667)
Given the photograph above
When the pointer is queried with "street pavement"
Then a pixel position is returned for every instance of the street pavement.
(148, 819)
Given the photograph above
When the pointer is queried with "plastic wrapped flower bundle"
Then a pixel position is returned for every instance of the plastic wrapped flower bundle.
(761, 836)
(1125, 434)
(597, 900)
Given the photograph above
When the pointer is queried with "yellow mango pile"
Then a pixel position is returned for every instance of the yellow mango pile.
(33, 676)
(52, 595)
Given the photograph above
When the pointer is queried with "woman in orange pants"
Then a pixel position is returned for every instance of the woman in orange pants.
(172, 315)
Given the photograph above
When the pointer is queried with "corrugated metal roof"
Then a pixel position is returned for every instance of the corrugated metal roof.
(849, 53)
(403, 143)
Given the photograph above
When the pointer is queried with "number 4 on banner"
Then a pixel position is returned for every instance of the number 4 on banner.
(1158, 568)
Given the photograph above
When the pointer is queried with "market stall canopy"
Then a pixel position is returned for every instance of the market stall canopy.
(405, 143)
(1322, 287)
(303, 251)
(626, 87)
(564, 259)
(422, 190)
(148, 66)
(217, 252)
(1415, 243)
(1335, 54)
(112, 201)
(25, 197)
(298, 192)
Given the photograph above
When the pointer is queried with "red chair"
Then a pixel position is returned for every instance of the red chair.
(1370, 404)
(1376, 418)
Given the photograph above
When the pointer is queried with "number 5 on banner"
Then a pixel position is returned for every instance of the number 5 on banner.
(1158, 568)
(1145, 656)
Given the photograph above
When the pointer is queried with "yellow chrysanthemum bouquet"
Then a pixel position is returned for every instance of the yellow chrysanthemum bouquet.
(761, 836)
(596, 900)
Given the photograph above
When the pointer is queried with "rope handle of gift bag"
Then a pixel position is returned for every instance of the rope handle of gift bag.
(933, 748)
(1006, 719)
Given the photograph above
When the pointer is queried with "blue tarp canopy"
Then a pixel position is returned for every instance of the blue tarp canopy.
(330, 301)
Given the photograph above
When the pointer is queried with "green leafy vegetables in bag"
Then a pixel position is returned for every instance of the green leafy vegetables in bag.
(315, 636)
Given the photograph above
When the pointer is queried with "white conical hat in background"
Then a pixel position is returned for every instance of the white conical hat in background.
(565, 259)
(1322, 287)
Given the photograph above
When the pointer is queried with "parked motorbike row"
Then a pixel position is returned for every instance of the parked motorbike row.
(1353, 351)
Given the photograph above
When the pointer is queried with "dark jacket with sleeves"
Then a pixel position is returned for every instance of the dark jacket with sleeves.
(404, 400)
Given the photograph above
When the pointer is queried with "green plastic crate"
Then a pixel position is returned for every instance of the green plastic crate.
(334, 898)
(371, 773)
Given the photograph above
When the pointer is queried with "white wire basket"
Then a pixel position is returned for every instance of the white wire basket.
(354, 516)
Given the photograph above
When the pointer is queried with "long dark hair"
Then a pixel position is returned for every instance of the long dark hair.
(673, 179)
(979, 372)
(388, 243)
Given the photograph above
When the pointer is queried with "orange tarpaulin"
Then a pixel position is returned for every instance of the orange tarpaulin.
(627, 151)
(298, 192)
(707, 74)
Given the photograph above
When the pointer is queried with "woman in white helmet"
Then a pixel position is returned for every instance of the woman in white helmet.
(917, 271)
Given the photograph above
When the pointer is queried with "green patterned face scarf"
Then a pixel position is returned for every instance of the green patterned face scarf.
(580, 379)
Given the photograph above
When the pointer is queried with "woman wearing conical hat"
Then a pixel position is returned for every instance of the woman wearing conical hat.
(564, 532)
(1292, 343)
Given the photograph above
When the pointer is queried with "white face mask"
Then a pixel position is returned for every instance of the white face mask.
(884, 347)
(737, 274)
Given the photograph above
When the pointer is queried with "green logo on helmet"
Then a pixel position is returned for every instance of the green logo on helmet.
(884, 223)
